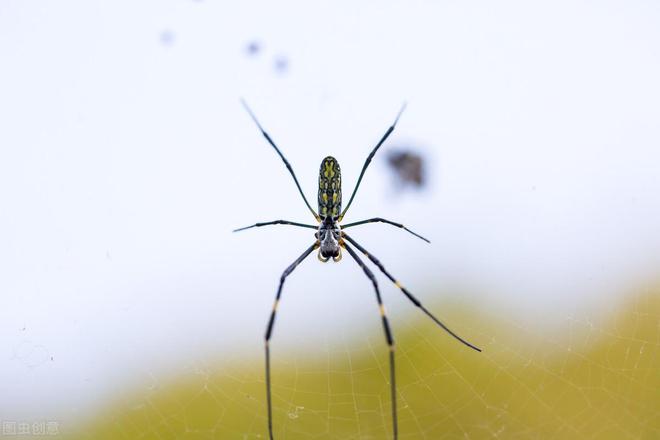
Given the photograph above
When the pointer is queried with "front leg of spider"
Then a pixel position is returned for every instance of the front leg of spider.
(269, 331)
(388, 335)
(405, 291)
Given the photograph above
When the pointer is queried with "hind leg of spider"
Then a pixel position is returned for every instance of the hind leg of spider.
(286, 162)
(407, 293)
(388, 336)
(276, 222)
(269, 331)
(371, 156)
(382, 220)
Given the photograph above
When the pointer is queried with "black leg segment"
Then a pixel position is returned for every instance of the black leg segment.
(407, 293)
(382, 220)
(269, 331)
(388, 336)
(371, 156)
(286, 162)
(276, 222)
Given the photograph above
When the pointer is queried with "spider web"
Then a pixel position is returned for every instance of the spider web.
(598, 378)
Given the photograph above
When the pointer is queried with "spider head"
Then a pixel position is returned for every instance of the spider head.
(329, 251)
(328, 236)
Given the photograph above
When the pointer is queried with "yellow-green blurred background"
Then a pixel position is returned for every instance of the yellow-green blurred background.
(597, 380)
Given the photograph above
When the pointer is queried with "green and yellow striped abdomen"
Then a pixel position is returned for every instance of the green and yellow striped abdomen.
(329, 188)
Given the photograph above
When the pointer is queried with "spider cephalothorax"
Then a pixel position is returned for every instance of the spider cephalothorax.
(330, 239)
(329, 236)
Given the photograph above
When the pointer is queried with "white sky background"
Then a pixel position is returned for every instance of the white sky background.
(126, 162)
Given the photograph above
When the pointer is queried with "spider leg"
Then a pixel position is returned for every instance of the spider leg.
(388, 335)
(286, 162)
(269, 330)
(277, 222)
(407, 293)
(371, 155)
(382, 220)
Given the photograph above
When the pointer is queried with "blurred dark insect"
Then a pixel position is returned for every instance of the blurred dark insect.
(167, 37)
(253, 48)
(281, 63)
(408, 167)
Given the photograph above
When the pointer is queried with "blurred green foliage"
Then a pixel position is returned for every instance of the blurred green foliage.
(600, 382)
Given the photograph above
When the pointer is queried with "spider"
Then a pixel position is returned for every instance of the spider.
(330, 239)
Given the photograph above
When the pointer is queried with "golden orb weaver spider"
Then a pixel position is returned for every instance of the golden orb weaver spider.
(330, 240)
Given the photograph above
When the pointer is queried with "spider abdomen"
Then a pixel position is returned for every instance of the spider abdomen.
(329, 188)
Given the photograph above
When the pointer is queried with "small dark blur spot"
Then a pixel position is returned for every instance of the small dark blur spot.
(281, 64)
(253, 48)
(167, 38)
(408, 167)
